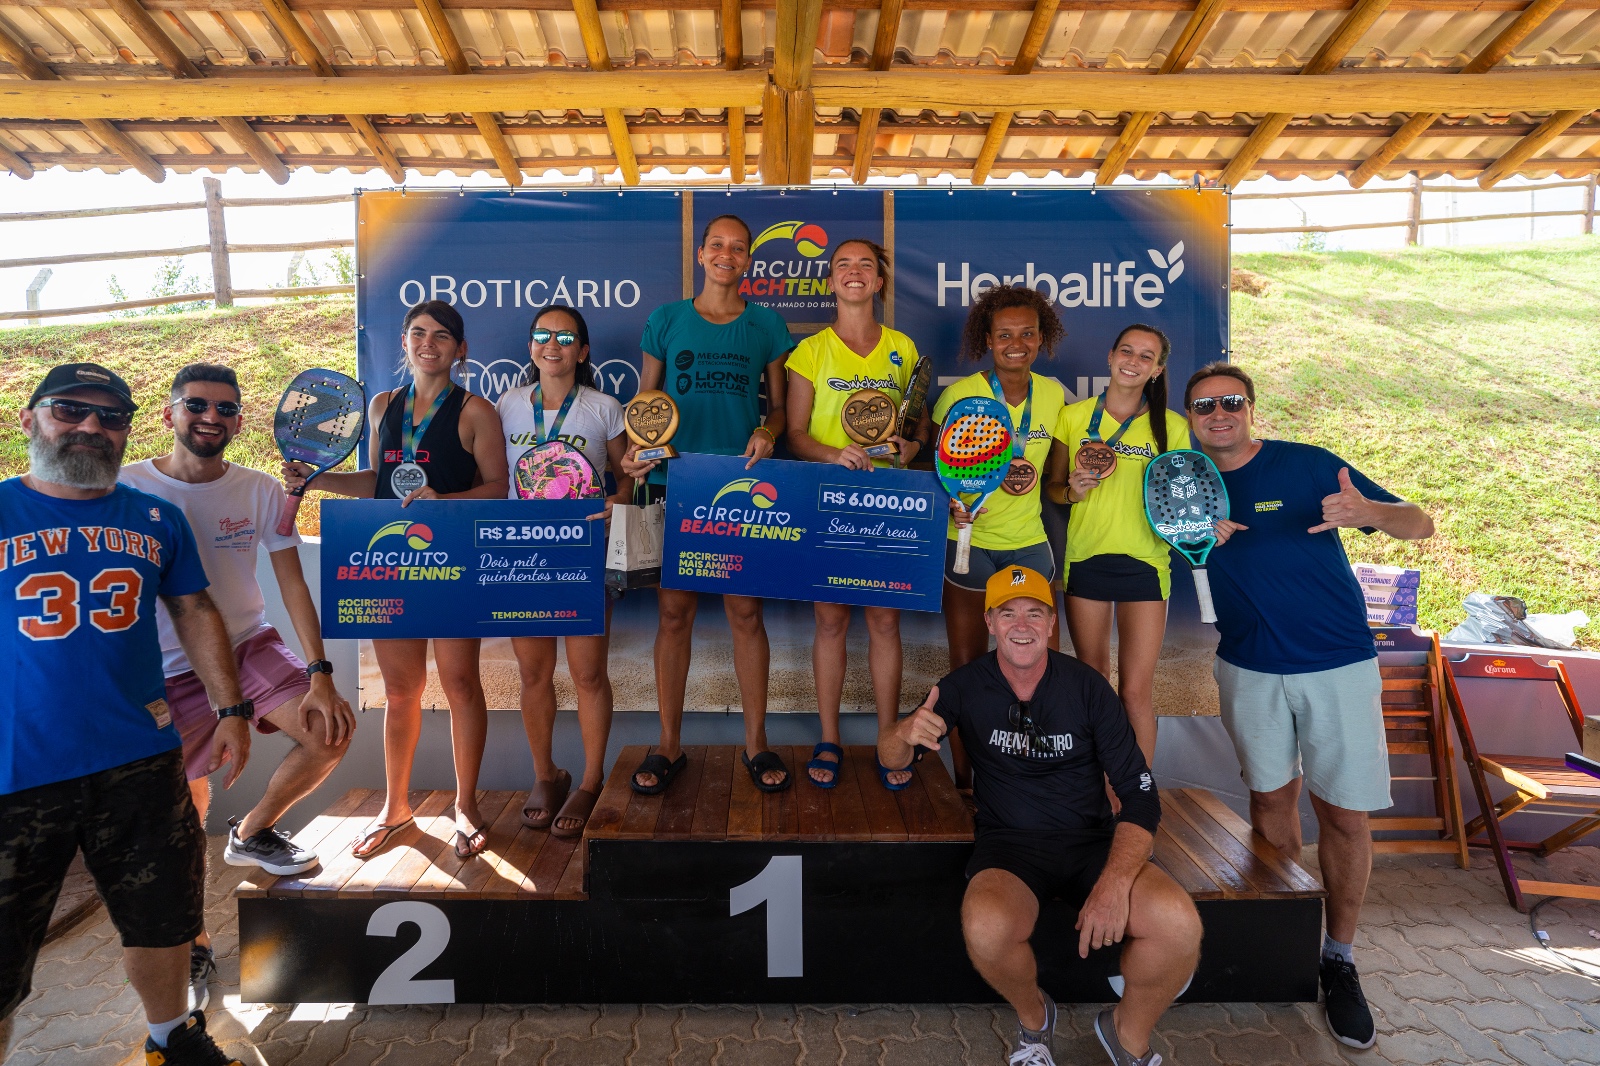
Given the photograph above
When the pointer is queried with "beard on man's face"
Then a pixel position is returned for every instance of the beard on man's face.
(63, 461)
(204, 447)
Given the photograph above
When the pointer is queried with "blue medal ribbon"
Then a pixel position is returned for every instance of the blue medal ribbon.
(561, 415)
(1099, 412)
(1019, 443)
(411, 437)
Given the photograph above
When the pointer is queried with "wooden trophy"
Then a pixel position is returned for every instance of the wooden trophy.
(1096, 457)
(651, 419)
(870, 419)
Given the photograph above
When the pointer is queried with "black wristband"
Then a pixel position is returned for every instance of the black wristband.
(321, 666)
(245, 710)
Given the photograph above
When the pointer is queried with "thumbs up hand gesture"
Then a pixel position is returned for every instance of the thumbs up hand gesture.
(1345, 509)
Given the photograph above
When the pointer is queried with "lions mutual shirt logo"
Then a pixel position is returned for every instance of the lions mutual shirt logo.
(400, 551)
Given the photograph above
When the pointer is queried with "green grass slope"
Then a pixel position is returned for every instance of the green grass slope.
(1467, 380)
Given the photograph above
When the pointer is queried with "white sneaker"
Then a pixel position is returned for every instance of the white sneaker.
(1032, 1055)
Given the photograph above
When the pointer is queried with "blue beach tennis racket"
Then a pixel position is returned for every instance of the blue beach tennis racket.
(1184, 498)
(318, 422)
(973, 458)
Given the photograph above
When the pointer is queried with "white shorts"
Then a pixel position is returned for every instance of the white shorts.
(1327, 724)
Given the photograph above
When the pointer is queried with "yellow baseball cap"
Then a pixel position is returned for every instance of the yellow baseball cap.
(1012, 581)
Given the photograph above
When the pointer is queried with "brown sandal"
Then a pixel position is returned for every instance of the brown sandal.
(376, 839)
(545, 799)
(579, 805)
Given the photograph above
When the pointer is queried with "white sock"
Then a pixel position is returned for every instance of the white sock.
(1333, 949)
(159, 1031)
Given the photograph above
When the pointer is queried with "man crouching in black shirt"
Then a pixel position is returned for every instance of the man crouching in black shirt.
(1043, 732)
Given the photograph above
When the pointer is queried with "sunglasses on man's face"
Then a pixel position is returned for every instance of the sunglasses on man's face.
(1232, 403)
(197, 405)
(563, 337)
(73, 412)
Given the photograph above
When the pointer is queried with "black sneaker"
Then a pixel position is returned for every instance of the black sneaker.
(1105, 1027)
(269, 849)
(1349, 1019)
(189, 1046)
(202, 968)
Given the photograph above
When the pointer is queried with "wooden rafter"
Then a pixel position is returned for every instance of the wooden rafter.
(733, 59)
(25, 63)
(1344, 37)
(1201, 19)
(298, 40)
(179, 65)
(1044, 13)
(1530, 146)
(882, 56)
(594, 43)
(1507, 39)
(455, 60)
(788, 107)
(1168, 6)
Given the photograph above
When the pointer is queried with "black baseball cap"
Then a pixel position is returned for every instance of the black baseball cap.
(70, 376)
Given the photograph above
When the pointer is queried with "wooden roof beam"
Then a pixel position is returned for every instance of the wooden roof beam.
(1201, 19)
(882, 55)
(295, 35)
(27, 64)
(733, 59)
(455, 60)
(13, 162)
(594, 43)
(788, 111)
(1507, 39)
(1338, 45)
(1044, 13)
(1530, 146)
(170, 56)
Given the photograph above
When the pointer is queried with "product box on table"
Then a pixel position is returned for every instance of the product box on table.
(1373, 574)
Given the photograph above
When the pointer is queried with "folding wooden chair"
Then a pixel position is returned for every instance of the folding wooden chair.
(1538, 783)
(1414, 724)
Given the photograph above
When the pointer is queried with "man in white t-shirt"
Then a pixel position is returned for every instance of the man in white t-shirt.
(234, 511)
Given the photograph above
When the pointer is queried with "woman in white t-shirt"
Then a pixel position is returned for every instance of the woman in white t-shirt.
(576, 411)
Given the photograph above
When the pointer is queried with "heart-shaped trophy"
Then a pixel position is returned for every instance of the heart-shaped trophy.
(651, 419)
(870, 419)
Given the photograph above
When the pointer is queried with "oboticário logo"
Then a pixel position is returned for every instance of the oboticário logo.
(810, 239)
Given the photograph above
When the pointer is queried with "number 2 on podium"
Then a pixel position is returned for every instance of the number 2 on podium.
(778, 886)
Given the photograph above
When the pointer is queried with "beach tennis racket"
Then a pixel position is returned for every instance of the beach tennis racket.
(318, 422)
(1184, 498)
(555, 470)
(916, 398)
(972, 459)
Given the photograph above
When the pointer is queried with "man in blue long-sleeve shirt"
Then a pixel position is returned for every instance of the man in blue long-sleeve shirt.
(1044, 732)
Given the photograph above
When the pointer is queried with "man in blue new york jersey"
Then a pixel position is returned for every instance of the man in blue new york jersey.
(1296, 667)
(89, 757)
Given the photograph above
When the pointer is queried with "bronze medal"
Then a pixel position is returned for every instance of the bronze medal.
(870, 419)
(1021, 478)
(651, 420)
(1096, 457)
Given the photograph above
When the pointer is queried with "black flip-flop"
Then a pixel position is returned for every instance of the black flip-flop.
(663, 771)
(765, 763)
(379, 835)
(470, 849)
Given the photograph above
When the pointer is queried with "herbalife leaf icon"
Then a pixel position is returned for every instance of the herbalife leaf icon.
(1175, 263)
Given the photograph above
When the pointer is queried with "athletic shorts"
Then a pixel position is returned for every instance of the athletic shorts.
(1327, 724)
(269, 673)
(984, 563)
(1052, 865)
(1116, 578)
(141, 841)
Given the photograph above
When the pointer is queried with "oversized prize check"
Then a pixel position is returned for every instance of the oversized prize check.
(805, 531)
(462, 568)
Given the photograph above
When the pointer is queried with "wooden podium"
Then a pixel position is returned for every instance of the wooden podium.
(718, 893)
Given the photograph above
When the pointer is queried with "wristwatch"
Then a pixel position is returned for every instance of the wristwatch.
(245, 710)
(321, 666)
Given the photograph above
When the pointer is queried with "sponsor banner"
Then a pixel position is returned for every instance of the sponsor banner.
(462, 568)
(805, 531)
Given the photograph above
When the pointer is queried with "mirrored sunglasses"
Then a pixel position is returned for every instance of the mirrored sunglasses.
(73, 412)
(1233, 403)
(563, 337)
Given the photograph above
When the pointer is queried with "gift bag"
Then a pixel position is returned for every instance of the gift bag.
(633, 553)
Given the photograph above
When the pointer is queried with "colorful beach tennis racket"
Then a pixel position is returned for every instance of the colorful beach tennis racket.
(318, 422)
(555, 470)
(1184, 498)
(973, 458)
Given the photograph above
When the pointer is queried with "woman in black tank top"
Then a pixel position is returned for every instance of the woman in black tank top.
(458, 453)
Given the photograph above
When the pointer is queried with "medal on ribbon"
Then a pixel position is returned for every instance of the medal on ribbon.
(1022, 476)
(409, 476)
(1097, 456)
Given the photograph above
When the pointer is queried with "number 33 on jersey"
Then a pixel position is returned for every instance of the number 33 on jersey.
(78, 586)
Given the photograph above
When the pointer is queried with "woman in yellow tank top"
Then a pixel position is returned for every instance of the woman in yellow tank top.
(1114, 560)
(856, 352)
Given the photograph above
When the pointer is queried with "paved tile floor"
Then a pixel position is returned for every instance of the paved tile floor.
(1454, 974)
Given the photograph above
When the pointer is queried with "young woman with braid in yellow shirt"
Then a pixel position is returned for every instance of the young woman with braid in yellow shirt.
(1115, 561)
(1017, 325)
(856, 352)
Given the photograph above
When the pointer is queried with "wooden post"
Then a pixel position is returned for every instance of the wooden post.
(36, 286)
(221, 275)
(1414, 220)
(1588, 204)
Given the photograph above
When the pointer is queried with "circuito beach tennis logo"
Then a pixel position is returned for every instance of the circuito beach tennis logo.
(382, 562)
(416, 534)
(775, 274)
(755, 515)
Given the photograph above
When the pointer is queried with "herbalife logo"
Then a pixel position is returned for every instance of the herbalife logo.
(1105, 284)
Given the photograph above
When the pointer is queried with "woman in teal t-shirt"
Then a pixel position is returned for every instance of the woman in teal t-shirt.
(711, 355)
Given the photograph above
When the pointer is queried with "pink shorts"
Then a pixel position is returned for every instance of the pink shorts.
(269, 673)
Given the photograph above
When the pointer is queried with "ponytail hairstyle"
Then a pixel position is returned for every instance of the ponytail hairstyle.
(585, 369)
(879, 253)
(1155, 390)
(442, 313)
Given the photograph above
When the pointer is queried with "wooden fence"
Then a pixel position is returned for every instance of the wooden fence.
(222, 291)
(1414, 221)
